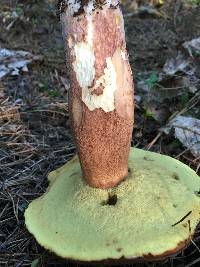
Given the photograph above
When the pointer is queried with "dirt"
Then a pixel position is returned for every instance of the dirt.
(35, 134)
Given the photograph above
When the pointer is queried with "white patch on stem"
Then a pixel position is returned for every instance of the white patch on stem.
(84, 67)
(106, 100)
(73, 6)
(84, 64)
(123, 55)
(112, 2)
(90, 30)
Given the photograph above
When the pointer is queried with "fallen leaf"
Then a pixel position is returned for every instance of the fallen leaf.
(187, 131)
(12, 62)
(178, 64)
(193, 46)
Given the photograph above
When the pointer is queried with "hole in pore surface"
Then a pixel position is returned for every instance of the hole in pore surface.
(148, 159)
(111, 201)
(197, 193)
(175, 176)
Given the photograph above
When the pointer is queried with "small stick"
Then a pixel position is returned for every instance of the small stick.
(182, 218)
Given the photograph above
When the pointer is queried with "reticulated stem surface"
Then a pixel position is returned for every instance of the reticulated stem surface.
(101, 94)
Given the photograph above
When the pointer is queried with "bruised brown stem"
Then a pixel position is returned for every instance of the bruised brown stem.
(101, 94)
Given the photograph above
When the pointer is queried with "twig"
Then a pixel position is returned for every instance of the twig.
(154, 141)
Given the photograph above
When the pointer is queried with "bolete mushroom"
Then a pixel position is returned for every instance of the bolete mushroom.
(95, 210)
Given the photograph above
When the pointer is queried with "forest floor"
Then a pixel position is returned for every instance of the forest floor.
(35, 136)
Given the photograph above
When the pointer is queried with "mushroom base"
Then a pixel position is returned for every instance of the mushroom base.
(151, 215)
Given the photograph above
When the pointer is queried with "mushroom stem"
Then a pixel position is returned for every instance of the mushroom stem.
(101, 95)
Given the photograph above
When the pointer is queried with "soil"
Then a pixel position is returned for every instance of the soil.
(35, 136)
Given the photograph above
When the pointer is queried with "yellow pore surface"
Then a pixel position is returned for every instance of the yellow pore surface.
(136, 219)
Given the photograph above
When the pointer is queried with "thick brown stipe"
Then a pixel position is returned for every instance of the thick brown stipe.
(102, 137)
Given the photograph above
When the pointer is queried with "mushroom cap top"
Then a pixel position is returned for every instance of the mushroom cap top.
(151, 215)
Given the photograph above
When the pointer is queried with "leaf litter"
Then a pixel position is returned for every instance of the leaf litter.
(12, 62)
(193, 47)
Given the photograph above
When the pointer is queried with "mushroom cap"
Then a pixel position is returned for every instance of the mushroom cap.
(151, 215)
